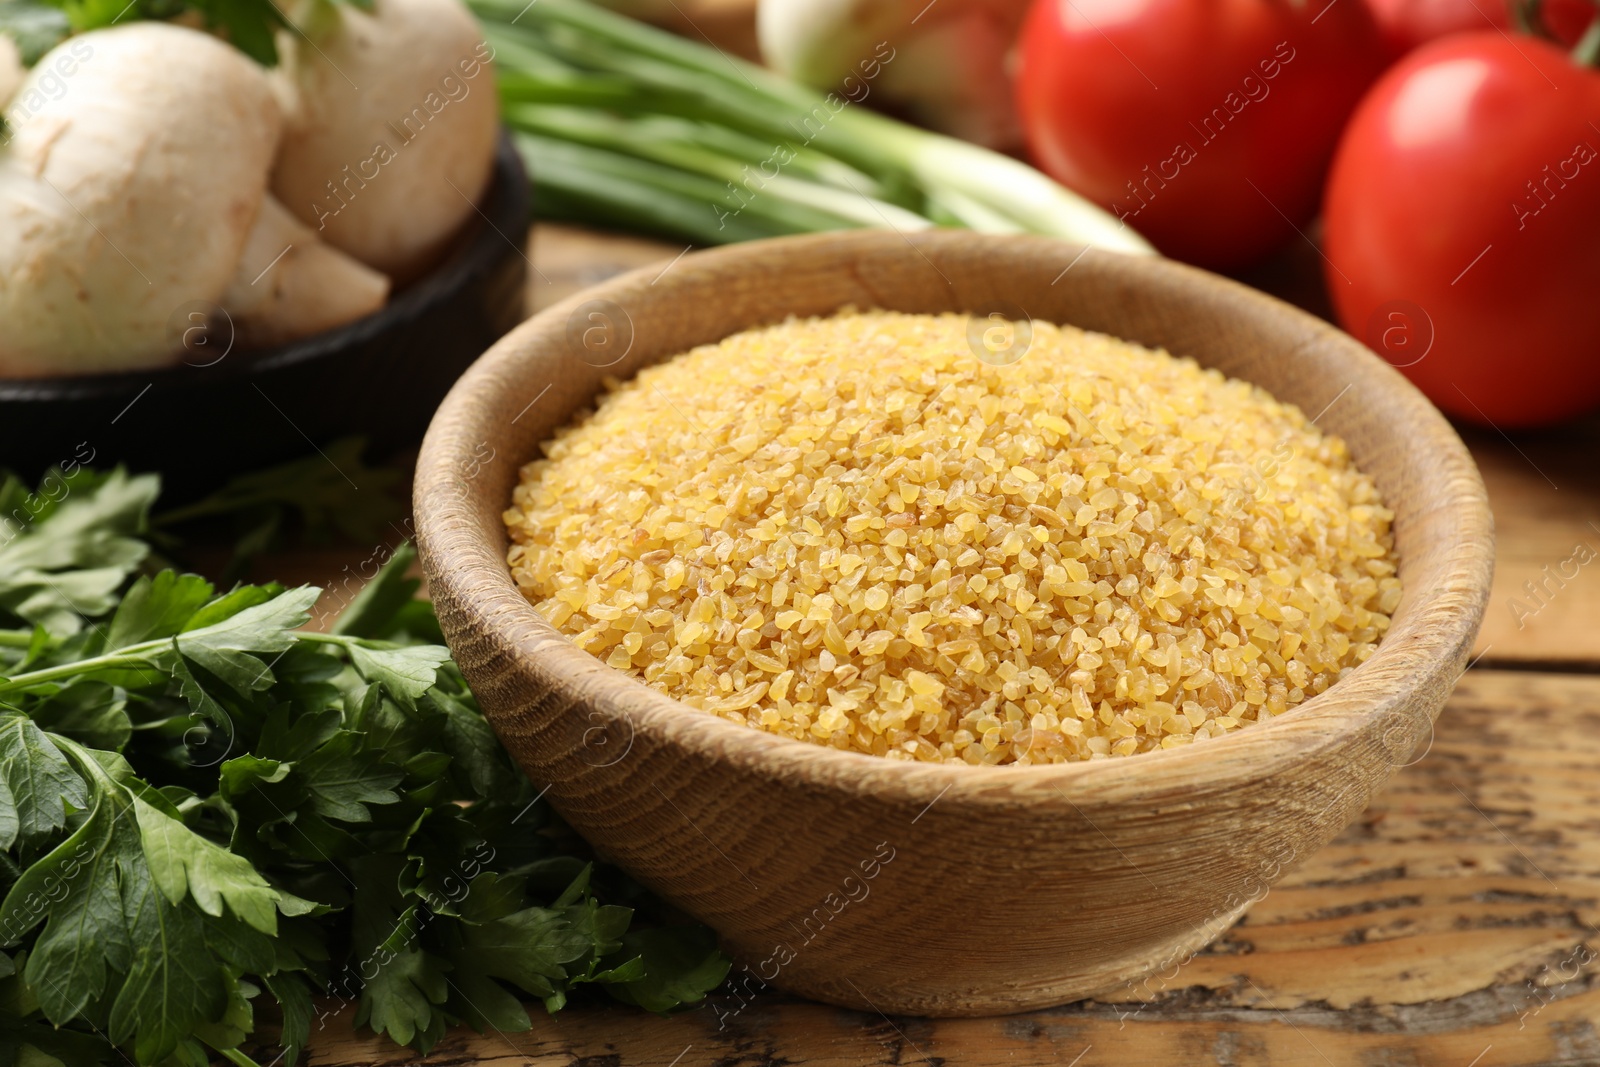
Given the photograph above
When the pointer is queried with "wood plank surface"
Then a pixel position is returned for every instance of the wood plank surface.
(1545, 491)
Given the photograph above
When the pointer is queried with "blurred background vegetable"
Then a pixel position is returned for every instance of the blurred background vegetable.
(949, 72)
(389, 127)
(132, 183)
(1408, 24)
(145, 191)
(624, 124)
(1462, 217)
(1208, 126)
(11, 69)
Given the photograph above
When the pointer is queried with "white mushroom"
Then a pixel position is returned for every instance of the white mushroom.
(390, 119)
(289, 284)
(11, 69)
(133, 197)
(126, 194)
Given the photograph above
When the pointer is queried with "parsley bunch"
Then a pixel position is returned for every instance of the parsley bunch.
(204, 808)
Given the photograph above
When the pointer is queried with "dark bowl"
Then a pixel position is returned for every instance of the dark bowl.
(216, 415)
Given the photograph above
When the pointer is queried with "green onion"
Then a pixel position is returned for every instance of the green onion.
(624, 124)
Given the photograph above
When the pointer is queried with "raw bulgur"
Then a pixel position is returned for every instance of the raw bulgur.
(853, 532)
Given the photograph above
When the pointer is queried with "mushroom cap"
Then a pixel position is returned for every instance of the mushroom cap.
(390, 120)
(11, 69)
(137, 165)
(290, 284)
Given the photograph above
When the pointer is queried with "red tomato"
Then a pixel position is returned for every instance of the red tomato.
(1206, 125)
(1461, 227)
(1405, 24)
(1567, 19)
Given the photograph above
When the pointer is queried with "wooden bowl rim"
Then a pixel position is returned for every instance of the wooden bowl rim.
(497, 609)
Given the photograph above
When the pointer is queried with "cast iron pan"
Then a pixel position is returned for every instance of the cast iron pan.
(217, 415)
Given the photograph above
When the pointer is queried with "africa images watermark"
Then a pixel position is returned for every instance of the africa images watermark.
(853, 889)
(343, 589)
(1252, 90)
(54, 488)
(347, 185)
(1543, 190)
(48, 85)
(856, 87)
(1538, 594)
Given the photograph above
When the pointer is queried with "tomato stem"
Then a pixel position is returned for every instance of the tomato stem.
(1586, 53)
(1527, 16)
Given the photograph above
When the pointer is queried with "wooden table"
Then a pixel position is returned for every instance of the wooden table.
(1454, 925)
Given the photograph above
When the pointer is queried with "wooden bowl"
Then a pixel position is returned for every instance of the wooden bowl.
(940, 889)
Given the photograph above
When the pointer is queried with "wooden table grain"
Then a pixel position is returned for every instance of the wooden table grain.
(1453, 925)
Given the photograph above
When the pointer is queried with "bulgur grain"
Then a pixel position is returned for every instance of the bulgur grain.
(852, 532)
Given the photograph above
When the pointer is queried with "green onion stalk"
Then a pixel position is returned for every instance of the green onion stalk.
(623, 124)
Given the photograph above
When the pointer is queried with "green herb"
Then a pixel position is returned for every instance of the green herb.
(624, 124)
(202, 805)
(36, 27)
(250, 25)
(321, 489)
(68, 548)
(333, 493)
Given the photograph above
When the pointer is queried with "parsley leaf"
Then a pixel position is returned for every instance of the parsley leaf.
(63, 558)
(248, 24)
(202, 804)
(92, 713)
(407, 672)
(157, 607)
(173, 984)
(182, 861)
(237, 649)
(680, 964)
(380, 608)
(85, 941)
(342, 777)
(38, 783)
(318, 489)
(294, 1002)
